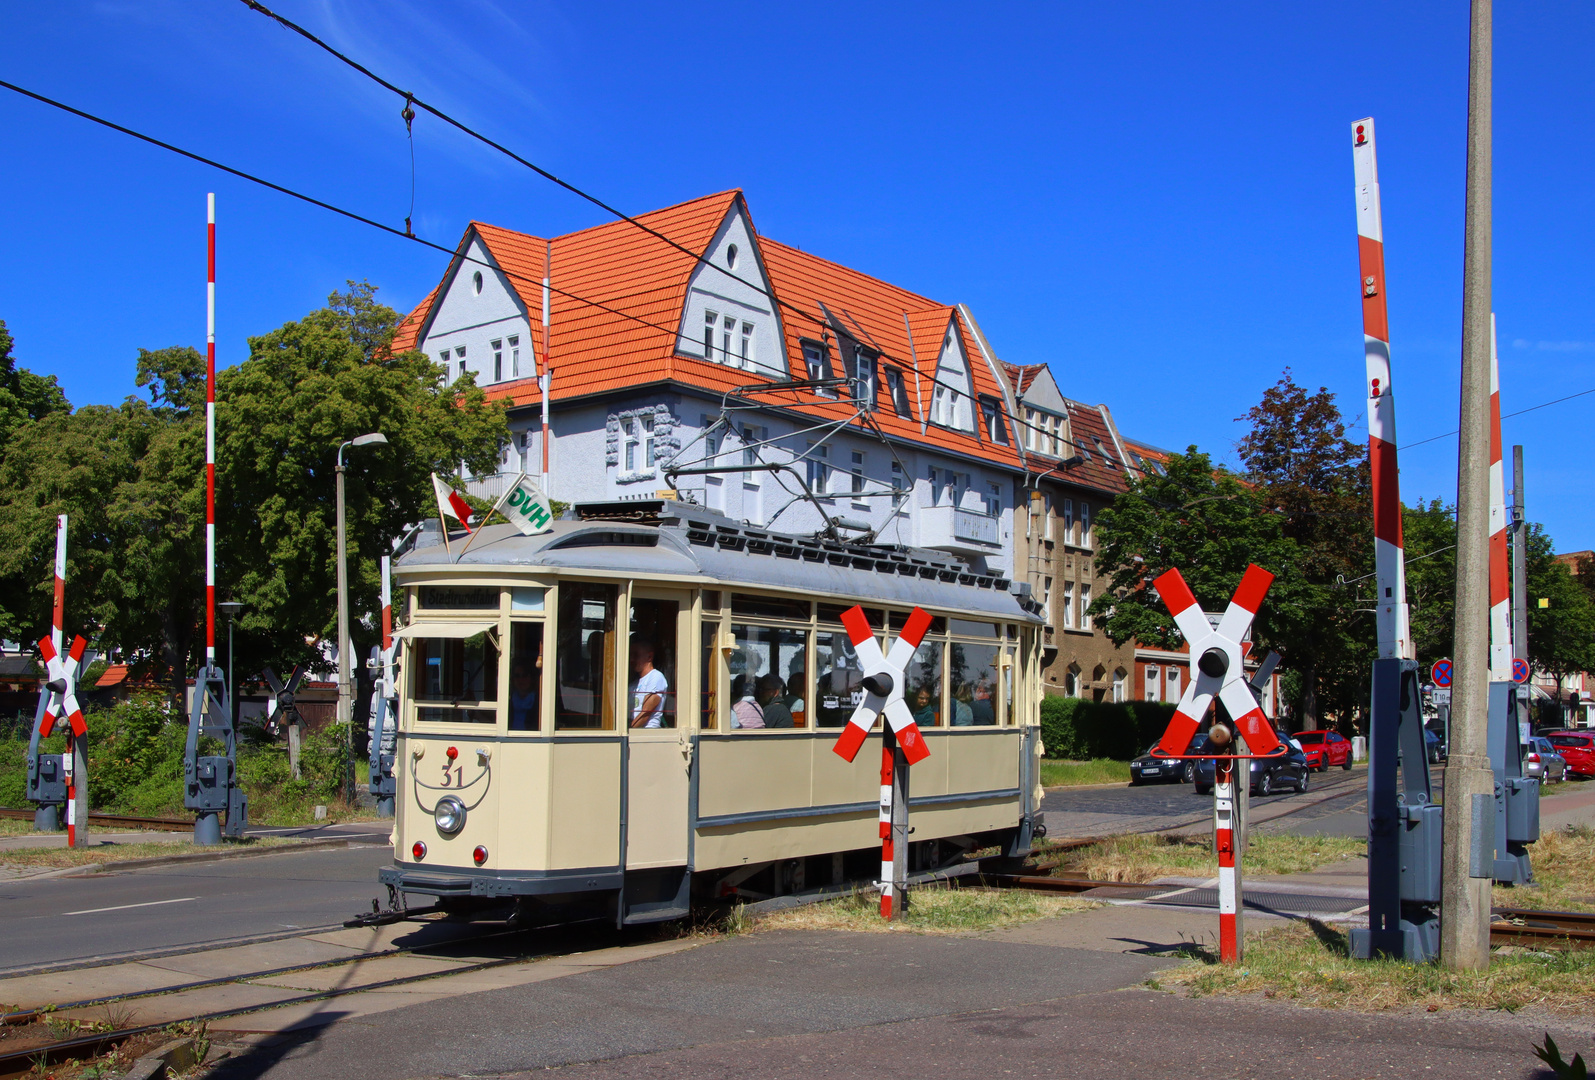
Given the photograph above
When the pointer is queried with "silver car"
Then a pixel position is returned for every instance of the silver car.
(1541, 760)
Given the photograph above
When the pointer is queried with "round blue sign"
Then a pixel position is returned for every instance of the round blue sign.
(1520, 671)
(1441, 673)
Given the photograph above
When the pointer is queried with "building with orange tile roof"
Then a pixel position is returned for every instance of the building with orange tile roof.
(664, 358)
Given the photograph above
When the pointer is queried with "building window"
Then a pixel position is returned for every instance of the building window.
(898, 391)
(935, 492)
(731, 257)
(819, 468)
(861, 369)
(1119, 689)
(1068, 605)
(1085, 524)
(858, 472)
(637, 444)
(515, 357)
(944, 404)
(1048, 517)
(1085, 606)
(1068, 521)
(459, 355)
(899, 484)
(750, 448)
(1171, 685)
(1152, 688)
(1046, 595)
(996, 430)
(747, 342)
(498, 361)
(476, 283)
(817, 364)
(728, 325)
(993, 499)
(710, 321)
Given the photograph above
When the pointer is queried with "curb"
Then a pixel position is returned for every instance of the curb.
(195, 857)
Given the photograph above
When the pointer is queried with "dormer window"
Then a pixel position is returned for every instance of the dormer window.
(996, 429)
(897, 391)
(817, 364)
(861, 370)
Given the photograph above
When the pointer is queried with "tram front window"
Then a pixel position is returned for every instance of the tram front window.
(451, 676)
(769, 681)
(585, 665)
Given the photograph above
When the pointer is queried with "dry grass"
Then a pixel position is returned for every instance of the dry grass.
(1564, 873)
(1307, 962)
(930, 911)
(15, 826)
(60, 857)
(1142, 858)
(1078, 773)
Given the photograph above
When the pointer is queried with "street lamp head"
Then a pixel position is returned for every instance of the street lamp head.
(229, 608)
(375, 438)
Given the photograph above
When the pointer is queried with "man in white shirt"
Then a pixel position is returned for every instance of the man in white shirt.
(648, 694)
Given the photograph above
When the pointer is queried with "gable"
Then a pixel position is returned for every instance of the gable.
(478, 309)
(952, 395)
(1042, 391)
(728, 316)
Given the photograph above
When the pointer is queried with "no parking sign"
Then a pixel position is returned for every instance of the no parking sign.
(1441, 673)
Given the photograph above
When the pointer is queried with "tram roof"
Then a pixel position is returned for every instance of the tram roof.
(691, 542)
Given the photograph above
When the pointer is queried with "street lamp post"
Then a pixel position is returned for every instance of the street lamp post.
(345, 694)
(231, 608)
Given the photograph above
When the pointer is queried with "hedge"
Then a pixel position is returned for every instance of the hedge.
(1078, 729)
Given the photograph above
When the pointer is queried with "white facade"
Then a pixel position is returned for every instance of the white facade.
(727, 318)
(480, 326)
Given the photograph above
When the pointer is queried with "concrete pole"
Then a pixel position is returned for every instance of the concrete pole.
(1465, 911)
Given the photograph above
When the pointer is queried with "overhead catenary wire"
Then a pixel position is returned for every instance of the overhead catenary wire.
(1508, 416)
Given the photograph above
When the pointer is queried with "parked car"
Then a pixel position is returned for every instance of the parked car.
(1435, 746)
(1540, 759)
(1578, 747)
(1325, 748)
(1148, 767)
(1267, 774)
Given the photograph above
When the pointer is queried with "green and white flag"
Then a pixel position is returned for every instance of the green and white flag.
(526, 507)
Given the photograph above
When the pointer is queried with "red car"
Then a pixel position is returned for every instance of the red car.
(1325, 748)
(1578, 747)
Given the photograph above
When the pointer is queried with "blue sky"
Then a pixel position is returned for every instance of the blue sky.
(1156, 199)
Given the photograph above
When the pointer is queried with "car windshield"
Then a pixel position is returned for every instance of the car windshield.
(1311, 737)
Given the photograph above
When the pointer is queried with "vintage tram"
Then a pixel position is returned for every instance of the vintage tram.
(637, 710)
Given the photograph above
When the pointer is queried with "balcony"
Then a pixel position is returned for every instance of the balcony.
(960, 531)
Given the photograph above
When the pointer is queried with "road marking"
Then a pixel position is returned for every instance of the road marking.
(124, 907)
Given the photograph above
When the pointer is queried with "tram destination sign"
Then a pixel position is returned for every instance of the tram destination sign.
(459, 597)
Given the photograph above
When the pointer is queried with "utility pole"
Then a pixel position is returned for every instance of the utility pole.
(1467, 873)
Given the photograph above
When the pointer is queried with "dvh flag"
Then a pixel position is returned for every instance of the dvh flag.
(526, 507)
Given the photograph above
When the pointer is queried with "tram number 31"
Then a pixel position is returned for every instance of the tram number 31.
(453, 775)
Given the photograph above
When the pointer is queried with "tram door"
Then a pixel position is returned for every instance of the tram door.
(658, 742)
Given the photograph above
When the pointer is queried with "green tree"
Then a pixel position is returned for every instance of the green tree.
(24, 396)
(305, 388)
(1561, 633)
(1207, 524)
(1429, 535)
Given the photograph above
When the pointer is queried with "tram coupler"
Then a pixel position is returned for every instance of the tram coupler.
(394, 913)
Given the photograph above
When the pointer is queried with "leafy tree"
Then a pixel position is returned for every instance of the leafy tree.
(24, 396)
(1562, 633)
(1209, 525)
(1307, 472)
(1429, 533)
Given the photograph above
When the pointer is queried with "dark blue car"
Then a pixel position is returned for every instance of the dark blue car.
(1149, 767)
(1269, 775)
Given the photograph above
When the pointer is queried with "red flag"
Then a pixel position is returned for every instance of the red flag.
(451, 504)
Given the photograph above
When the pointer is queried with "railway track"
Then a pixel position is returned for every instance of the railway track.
(25, 1062)
(117, 821)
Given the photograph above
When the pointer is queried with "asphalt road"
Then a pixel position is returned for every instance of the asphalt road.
(1335, 804)
(827, 1004)
(59, 920)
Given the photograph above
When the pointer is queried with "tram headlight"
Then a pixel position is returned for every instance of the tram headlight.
(449, 815)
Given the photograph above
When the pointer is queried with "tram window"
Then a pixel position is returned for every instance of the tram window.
(838, 680)
(923, 689)
(651, 657)
(769, 683)
(706, 676)
(453, 674)
(526, 675)
(585, 660)
(973, 679)
(898, 619)
(711, 599)
(769, 607)
(526, 600)
(965, 628)
(1007, 687)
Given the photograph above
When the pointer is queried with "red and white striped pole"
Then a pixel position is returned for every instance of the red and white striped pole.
(1391, 617)
(387, 626)
(1500, 583)
(1231, 928)
(57, 619)
(889, 899)
(546, 376)
(210, 435)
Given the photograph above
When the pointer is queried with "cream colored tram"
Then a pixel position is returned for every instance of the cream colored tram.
(535, 763)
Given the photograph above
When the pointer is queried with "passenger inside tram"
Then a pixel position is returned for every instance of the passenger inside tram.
(923, 707)
(746, 712)
(526, 668)
(769, 697)
(650, 687)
